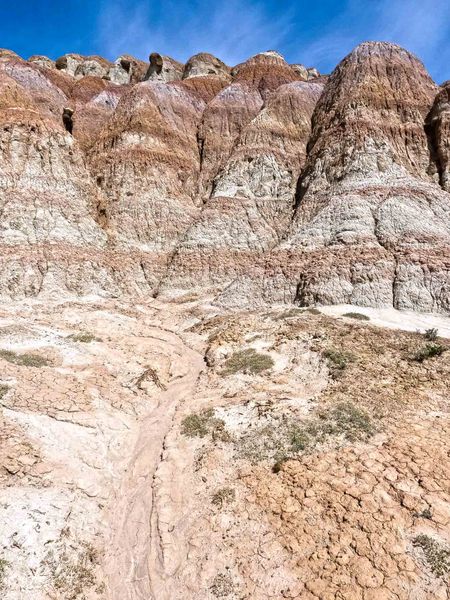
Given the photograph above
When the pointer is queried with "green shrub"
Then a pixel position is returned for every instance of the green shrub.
(356, 315)
(431, 334)
(247, 361)
(429, 351)
(202, 424)
(84, 337)
(24, 360)
(337, 359)
(436, 555)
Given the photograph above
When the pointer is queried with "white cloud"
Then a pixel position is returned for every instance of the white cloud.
(421, 27)
(237, 29)
(232, 30)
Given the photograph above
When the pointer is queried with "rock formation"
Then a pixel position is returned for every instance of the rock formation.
(232, 182)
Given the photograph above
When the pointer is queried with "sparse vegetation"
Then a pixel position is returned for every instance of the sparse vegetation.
(73, 573)
(338, 360)
(429, 351)
(357, 315)
(436, 554)
(223, 496)
(3, 390)
(24, 360)
(431, 334)
(84, 337)
(285, 439)
(3, 566)
(222, 585)
(202, 424)
(313, 311)
(248, 361)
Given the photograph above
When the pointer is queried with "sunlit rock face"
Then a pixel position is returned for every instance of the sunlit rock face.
(259, 183)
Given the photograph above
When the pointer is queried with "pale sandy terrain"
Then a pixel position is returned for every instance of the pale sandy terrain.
(138, 462)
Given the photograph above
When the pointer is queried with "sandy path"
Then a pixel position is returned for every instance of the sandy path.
(133, 560)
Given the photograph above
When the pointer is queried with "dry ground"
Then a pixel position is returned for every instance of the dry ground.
(170, 451)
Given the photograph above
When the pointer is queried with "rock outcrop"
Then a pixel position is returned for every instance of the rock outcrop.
(261, 183)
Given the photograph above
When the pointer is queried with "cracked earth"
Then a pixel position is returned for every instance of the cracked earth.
(174, 451)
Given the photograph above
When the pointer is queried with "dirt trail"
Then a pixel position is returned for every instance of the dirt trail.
(134, 557)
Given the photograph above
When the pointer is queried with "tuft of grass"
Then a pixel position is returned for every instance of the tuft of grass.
(431, 334)
(202, 424)
(436, 555)
(223, 496)
(247, 361)
(24, 360)
(357, 315)
(429, 351)
(84, 337)
(3, 390)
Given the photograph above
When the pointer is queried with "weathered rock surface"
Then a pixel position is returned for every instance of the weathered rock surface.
(163, 68)
(232, 181)
(204, 64)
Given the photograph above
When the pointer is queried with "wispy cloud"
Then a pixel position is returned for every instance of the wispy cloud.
(317, 34)
(421, 27)
(232, 30)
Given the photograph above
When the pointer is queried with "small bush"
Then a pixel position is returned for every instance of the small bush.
(431, 334)
(337, 359)
(223, 496)
(436, 555)
(24, 360)
(356, 315)
(202, 424)
(3, 390)
(429, 351)
(247, 361)
(84, 337)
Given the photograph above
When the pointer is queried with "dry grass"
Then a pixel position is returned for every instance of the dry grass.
(222, 585)
(286, 437)
(247, 361)
(73, 574)
(24, 360)
(4, 564)
(223, 496)
(203, 424)
(436, 555)
(356, 315)
(83, 337)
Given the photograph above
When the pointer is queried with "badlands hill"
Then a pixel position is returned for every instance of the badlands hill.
(256, 184)
(220, 377)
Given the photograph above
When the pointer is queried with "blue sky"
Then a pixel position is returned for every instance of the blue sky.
(317, 33)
